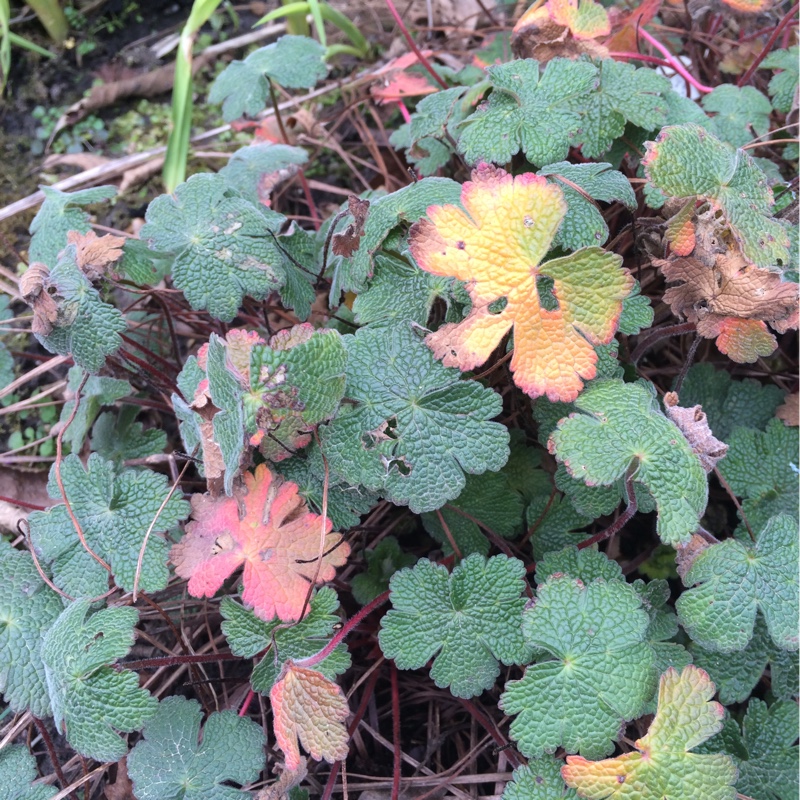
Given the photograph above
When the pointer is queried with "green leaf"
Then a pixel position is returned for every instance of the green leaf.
(17, 770)
(295, 62)
(60, 213)
(223, 246)
(487, 498)
(731, 580)
(637, 313)
(28, 607)
(764, 750)
(537, 115)
(251, 170)
(346, 503)
(741, 114)
(302, 265)
(758, 468)
(729, 403)
(554, 522)
(169, 763)
(592, 668)
(399, 291)
(382, 562)
(623, 94)
(86, 328)
(414, 427)
(403, 207)
(248, 635)
(466, 622)
(91, 698)
(622, 429)
(685, 161)
(584, 225)
(97, 392)
(584, 565)
(783, 85)
(540, 780)
(115, 511)
(118, 437)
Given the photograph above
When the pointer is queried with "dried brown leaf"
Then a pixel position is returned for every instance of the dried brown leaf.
(33, 286)
(349, 240)
(693, 424)
(95, 254)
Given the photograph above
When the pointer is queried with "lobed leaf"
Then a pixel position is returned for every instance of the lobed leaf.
(17, 770)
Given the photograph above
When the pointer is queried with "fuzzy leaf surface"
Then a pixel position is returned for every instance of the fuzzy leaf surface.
(685, 160)
(740, 114)
(17, 770)
(528, 112)
(254, 170)
(592, 668)
(295, 62)
(86, 327)
(764, 750)
(310, 708)
(91, 699)
(222, 245)
(248, 635)
(466, 622)
(496, 244)
(583, 225)
(540, 780)
(28, 607)
(732, 580)
(115, 510)
(61, 213)
(415, 427)
(277, 541)
(663, 765)
(783, 84)
(619, 426)
(170, 764)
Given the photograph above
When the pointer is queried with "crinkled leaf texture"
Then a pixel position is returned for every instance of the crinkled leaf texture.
(620, 431)
(222, 246)
(382, 562)
(686, 160)
(466, 622)
(17, 770)
(61, 213)
(733, 579)
(740, 114)
(592, 670)
(540, 780)
(115, 511)
(91, 699)
(86, 327)
(248, 635)
(309, 707)
(28, 607)
(295, 62)
(278, 541)
(255, 169)
(557, 309)
(402, 207)
(663, 765)
(414, 427)
(169, 763)
(783, 85)
(527, 112)
(764, 750)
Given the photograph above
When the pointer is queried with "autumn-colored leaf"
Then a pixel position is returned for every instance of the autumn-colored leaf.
(399, 85)
(95, 254)
(584, 18)
(694, 426)
(742, 340)
(308, 706)
(681, 231)
(789, 412)
(33, 286)
(749, 6)
(348, 241)
(663, 766)
(278, 541)
(558, 309)
(625, 36)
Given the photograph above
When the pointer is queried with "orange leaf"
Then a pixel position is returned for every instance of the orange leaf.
(400, 85)
(495, 246)
(309, 707)
(277, 540)
(681, 231)
(742, 340)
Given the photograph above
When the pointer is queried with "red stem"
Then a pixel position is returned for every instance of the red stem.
(642, 57)
(21, 503)
(51, 751)
(347, 628)
(174, 661)
(395, 733)
(674, 62)
(243, 710)
(619, 522)
(657, 335)
(490, 728)
(768, 46)
(412, 44)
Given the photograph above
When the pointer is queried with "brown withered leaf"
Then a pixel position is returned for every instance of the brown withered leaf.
(537, 35)
(693, 424)
(213, 462)
(33, 286)
(349, 240)
(686, 554)
(789, 412)
(95, 254)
